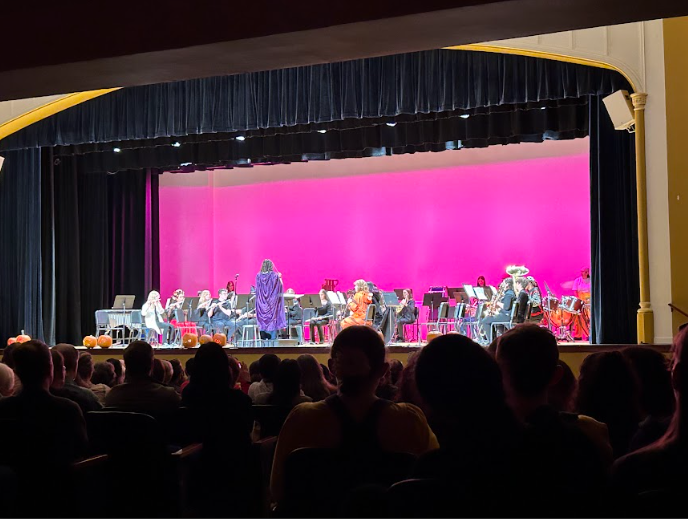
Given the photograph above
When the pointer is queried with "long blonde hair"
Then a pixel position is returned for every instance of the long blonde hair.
(151, 294)
(361, 285)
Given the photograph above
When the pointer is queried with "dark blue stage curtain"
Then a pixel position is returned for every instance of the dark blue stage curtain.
(614, 224)
(420, 82)
(20, 245)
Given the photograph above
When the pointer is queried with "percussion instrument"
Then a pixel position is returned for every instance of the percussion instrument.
(550, 304)
(572, 304)
(559, 318)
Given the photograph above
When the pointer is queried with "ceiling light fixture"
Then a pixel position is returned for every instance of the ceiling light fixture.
(392, 124)
(177, 144)
(117, 150)
(464, 116)
(322, 131)
(240, 138)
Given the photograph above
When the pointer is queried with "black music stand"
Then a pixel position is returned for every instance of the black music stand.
(433, 300)
(310, 301)
(123, 302)
(460, 296)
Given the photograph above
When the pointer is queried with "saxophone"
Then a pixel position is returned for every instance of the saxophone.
(493, 308)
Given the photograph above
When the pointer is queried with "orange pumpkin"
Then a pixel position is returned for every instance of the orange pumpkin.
(433, 335)
(104, 341)
(90, 341)
(205, 338)
(189, 340)
(220, 338)
(11, 340)
(23, 338)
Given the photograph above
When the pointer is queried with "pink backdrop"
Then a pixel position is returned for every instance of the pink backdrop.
(420, 228)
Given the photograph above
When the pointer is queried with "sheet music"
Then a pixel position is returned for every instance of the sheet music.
(342, 298)
(469, 291)
(480, 293)
(333, 297)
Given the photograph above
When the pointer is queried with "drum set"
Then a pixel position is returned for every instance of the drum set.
(562, 315)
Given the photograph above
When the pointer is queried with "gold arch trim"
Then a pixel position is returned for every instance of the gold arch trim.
(499, 49)
(58, 105)
(51, 108)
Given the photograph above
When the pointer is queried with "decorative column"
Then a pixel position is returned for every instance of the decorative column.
(646, 320)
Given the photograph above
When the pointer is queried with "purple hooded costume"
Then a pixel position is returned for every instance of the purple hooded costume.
(270, 312)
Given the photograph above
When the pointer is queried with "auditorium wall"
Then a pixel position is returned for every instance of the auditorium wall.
(408, 221)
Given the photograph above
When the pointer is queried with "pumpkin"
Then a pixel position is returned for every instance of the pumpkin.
(11, 340)
(433, 335)
(220, 338)
(205, 338)
(189, 340)
(89, 341)
(23, 338)
(104, 341)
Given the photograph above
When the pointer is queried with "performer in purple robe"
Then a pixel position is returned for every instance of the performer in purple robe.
(270, 312)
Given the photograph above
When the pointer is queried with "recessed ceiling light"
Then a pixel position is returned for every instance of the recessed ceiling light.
(322, 131)
(185, 164)
(177, 144)
(116, 150)
(240, 138)
(464, 116)
(392, 124)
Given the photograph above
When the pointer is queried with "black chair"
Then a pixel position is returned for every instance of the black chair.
(422, 498)
(271, 418)
(355, 484)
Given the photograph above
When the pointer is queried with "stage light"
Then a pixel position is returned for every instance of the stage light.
(185, 164)
(240, 138)
(391, 125)
(464, 116)
(543, 108)
(322, 131)
(116, 150)
(177, 144)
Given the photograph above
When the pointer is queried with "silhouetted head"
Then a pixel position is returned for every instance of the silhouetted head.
(654, 378)
(59, 371)
(357, 359)
(138, 357)
(33, 365)
(119, 371)
(287, 383)
(254, 371)
(6, 380)
(211, 368)
(84, 370)
(71, 358)
(562, 394)
(103, 373)
(267, 365)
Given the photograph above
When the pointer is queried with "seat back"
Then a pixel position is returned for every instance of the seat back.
(102, 318)
(443, 311)
(308, 313)
(514, 312)
(136, 317)
(371, 312)
(271, 418)
(125, 434)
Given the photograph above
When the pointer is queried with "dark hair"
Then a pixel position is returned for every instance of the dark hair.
(177, 372)
(267, 365)
(528, 355)
(7, 355)
(367, 341)
(84, 368)
(234, 370)
(561, 395)
(313, 379)
(32, 363)
(407, 390)
(287, 383)
(58, 362)
(652, 372)
(188, 366)
(328, 375)
(522, 282)
(508, 283)
(211, 371)
(455, 375)
(117, 365)
(254, 371)
(103, 373)
(158, 373)
(395, 370)
(138, 357)
(483, 280)
(70, 354)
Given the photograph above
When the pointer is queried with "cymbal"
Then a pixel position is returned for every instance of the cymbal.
(567, 285)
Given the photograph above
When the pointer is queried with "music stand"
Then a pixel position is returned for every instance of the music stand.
(480, 293)
(191, 303)
(310, 301)
(123, 302)
(461, 296)
(469, 290)
(390, 298)
(433, 300)
(400, 292)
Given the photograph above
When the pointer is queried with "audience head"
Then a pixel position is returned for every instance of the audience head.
(188, 367)
(458, 379)
(407, 388)
(652, 372)
(561, 395)
(6, 380)
(103, 373)
(287, 383)
(7, 355)
(234, 370)
(177, 372)
(71, 359)
(313, 379)
(59, 371)
(528, 356)
(254, 371)
(168, 371)
(395, 370)
(33, 365)
(328, 375)
(119, 371)
(138, 357)
(267, 366)
(84, 370)
(211, 369)
(158, 373)
(357, 359)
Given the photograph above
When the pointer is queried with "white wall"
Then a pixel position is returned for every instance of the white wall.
(11, 109)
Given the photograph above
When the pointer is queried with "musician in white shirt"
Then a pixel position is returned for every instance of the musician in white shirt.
(152, 313)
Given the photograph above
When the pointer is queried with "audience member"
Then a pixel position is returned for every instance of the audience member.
(158, 373)
(178, 376)
(313, 380)
(119, 371)
(561, 394)
(479, 435)
(358, 361)
(222, 419)
(287, 387)
(656, 394)
(6, 381)
(188, 367)
(254, 371)
(59, 372)
(396, 368)
(140, 393)
(47, 431)
(568, 453)
(104, 373)
(244, 377)
(407, 391)
(661, 466)
(168, 371)
(84, 375)
(328, 375)
(7, 355)
(608, 392)
(85, 398)
(267, 366)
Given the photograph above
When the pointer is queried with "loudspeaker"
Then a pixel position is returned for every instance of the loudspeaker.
(620, 109)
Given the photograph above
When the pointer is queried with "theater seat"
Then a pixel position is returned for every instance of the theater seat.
(332, 482)
(271, 418)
